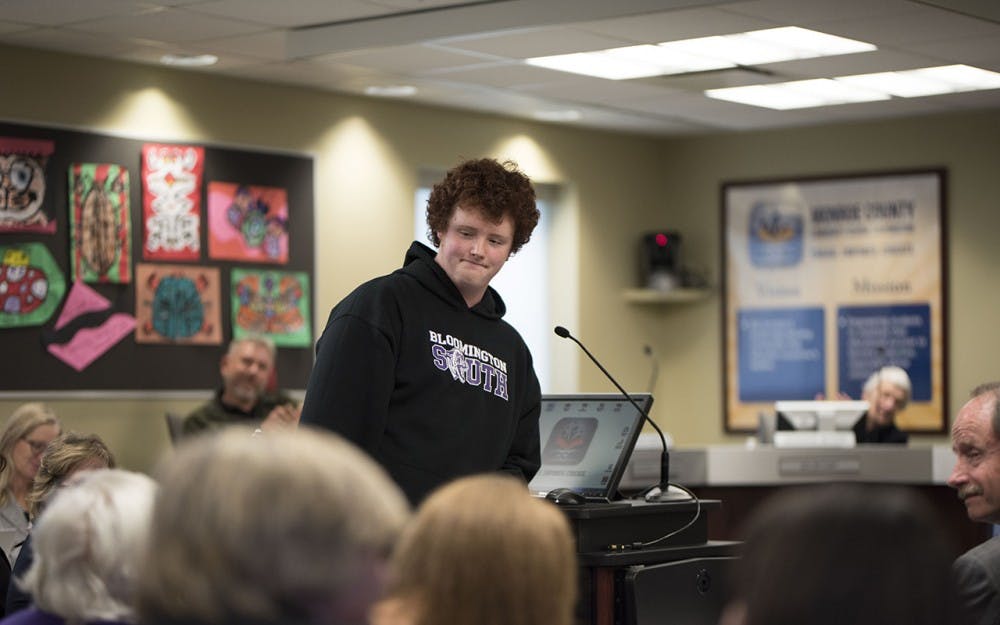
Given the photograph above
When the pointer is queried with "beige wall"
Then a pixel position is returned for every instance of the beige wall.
(368, 153)
(968, 145)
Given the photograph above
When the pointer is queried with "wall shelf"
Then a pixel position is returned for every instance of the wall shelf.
(673, 296)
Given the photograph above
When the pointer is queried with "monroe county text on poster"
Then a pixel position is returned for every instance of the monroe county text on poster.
(826, 281)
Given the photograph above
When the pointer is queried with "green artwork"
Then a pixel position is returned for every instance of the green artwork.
(272, 303)
(31, 285)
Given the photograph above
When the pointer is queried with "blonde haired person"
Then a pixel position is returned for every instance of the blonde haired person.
(66, 456)
(87, 546)
(288, 527)
(27, 433)
(482, 551)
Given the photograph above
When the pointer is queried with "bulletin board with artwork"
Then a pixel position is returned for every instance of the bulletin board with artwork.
(129, 264)
(826, 281)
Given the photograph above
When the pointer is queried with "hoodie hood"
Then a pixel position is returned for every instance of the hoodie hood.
(420, 265)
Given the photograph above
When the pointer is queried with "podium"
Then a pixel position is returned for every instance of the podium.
(623, 583)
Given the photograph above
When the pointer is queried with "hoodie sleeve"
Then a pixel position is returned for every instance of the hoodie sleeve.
(351, 381)
(524, 458)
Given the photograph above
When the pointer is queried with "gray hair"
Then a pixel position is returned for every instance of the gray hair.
(265, 529)
(87, 546)
(991, 388)
(896, 376)
(255, 339)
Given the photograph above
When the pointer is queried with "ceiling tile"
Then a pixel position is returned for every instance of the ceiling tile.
(983, 52)
(542, 41)
(914, 27)
(69, 41)
(170, 25)
(416, 5)
(673, 25)
(506, 74)
(267, 45)
(59, 12)
(14, 27)
(808, 13)
(290, 14)
(414, 58)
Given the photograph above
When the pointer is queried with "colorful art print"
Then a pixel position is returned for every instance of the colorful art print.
(247, 223)
(100, 223)
(22, 185)
(274, 304)
(171, 201)
(177, 304)
(31, 285)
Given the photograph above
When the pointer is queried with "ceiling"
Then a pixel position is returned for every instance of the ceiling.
(469, 55)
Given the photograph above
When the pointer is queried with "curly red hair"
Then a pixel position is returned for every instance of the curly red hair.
(497, 189)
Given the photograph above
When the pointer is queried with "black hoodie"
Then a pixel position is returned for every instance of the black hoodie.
(431, 388)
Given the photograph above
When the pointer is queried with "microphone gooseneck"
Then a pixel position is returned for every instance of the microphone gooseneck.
(654, 373)
(665, 455)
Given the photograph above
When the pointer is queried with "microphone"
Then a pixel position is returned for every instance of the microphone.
(663, 495)
(655, 372)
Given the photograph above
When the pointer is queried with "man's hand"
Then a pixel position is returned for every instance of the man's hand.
(283, 417)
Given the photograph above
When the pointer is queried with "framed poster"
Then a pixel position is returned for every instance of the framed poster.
(825, 281)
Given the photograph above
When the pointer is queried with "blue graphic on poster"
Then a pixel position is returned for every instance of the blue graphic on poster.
(781, 353)
(869, 337)
(775, 234)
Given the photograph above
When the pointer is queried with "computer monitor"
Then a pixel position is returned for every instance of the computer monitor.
(586, 441)
(824, 416)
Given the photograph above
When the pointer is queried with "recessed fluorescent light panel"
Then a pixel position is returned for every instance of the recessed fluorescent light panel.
(861, 88)
(189, 60)
(773, 45)
(566, 115)
(391, 91)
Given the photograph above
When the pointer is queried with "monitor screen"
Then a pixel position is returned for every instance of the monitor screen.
(820, 415)
(586, 442)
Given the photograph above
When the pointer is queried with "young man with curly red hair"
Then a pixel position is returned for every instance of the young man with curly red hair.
(418, 367)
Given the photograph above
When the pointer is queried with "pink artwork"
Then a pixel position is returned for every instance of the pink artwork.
(171, 201)
(247, 223)
(22, 185)
(83, 345)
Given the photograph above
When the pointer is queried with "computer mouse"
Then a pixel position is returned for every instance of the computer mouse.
(565, 497)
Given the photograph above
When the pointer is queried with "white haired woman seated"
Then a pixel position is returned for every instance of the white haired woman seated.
(87, 546)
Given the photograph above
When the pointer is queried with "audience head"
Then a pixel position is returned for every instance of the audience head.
(888, 392)
(975, 439)
(64, 457)
(87, 546)
(289, 527)
(859, 554)
(495, 189)
(463, 562)
(246, 369)
(27, 433)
